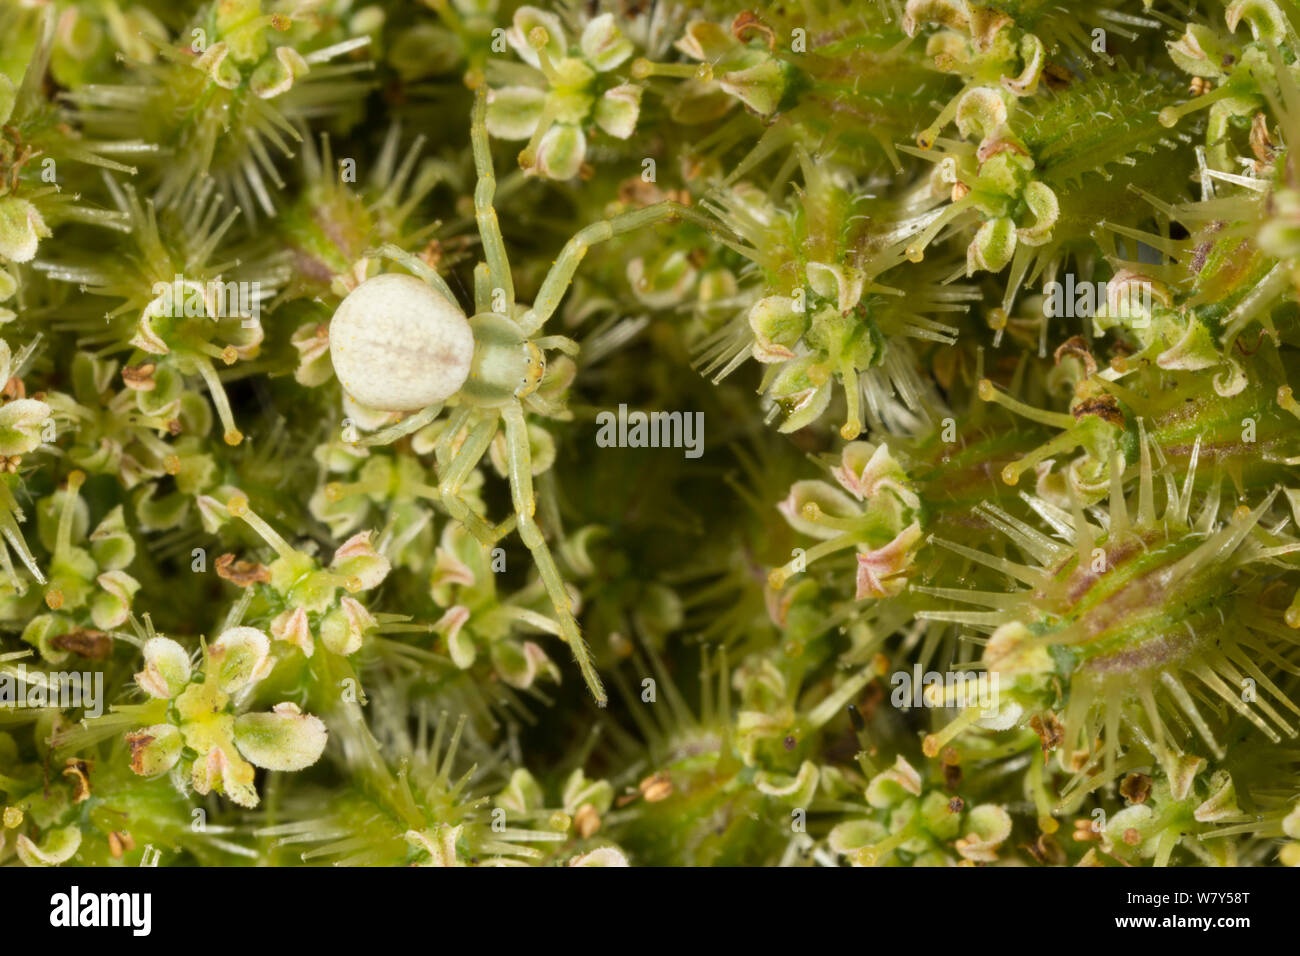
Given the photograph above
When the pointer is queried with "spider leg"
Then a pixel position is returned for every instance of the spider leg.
(408, 425)
(521, 490)
(458, 469)
(489, 229)
(566, 263)
(416, 265)
(560, 343)
(482, 288)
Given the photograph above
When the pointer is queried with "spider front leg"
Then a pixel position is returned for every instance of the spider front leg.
(458, 470)
(409, 425)
(566, 263)
(521, 490)
(489, 229)
(415, 264)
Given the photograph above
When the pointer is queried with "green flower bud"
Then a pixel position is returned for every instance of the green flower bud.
(522, 794)
(21, 425)
(220, 67)
(276, 76)
(57, 847)
(796, 790)
(826, 498)
(343, 629)
(519, 664)
(850, 837)
(225, 773)
(155, 749)
(460, 644)
(519, 36)
(1266, 20)
(617, 111)
(992, 247)
(705, 40)
(514, 111)
(760, 87)
(1043, 204)
(777, 328)
(989, 826)
(284, 739)
(1198, 52)
(603, 44)
(21, 229)
(802, 389)
(111, 607)
(891, 787)
(561, 152)
(356, 558)
(841, 284)
(111, 543)
(578, 790)
(603, 856)
(166, 668)
(241, 658)
(40, 633)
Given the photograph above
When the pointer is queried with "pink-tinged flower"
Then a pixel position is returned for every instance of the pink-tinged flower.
(828, 500)
(450, 570)
(293, 627)
(166, 668)
(462, 649)
(357, 558)
(879, 571)
(864, 469)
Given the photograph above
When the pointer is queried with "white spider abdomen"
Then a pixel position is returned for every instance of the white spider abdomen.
(399, 345)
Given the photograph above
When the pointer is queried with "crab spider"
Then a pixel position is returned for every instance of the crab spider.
(401, 343)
